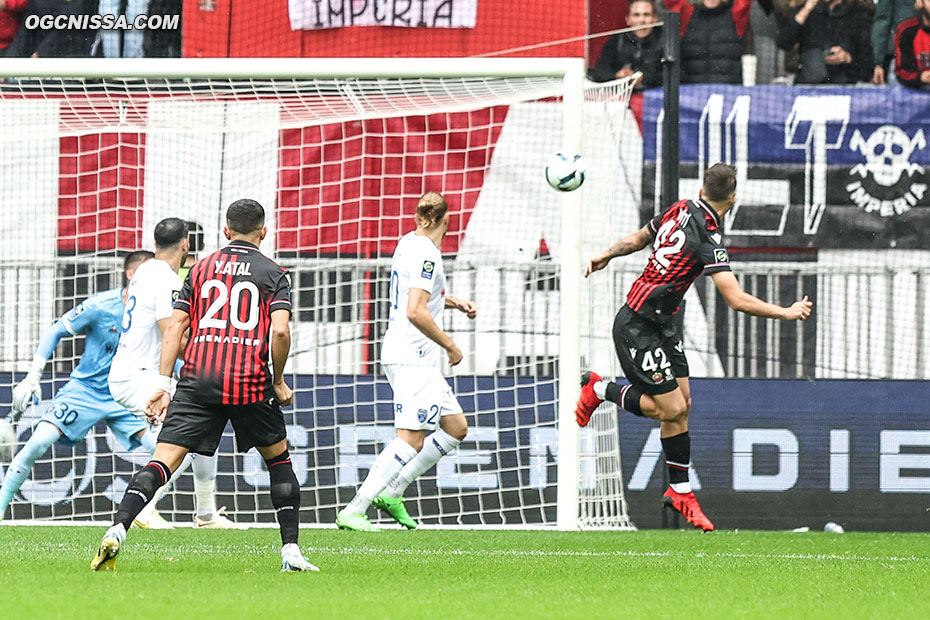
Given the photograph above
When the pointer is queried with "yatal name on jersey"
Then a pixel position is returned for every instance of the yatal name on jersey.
(222, 268)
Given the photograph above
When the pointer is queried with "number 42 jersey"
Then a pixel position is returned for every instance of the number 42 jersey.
(230, 296)
(687, 241)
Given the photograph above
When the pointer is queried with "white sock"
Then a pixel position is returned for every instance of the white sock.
(205, 485)
(392, 459)
(436, 446)
(600, 388)
(118, 532)
(681, 487)
(43, 437)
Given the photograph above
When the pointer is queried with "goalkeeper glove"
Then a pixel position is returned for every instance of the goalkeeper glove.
(29, 389)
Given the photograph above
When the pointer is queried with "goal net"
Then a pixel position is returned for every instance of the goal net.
(90, 163)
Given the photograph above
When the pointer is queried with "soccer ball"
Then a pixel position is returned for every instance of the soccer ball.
(7, 441)
(565, 172)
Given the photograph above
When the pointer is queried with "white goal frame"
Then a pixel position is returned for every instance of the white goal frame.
(570, 70)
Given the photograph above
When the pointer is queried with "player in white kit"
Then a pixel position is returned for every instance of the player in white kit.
(410, 356)
(134, 373)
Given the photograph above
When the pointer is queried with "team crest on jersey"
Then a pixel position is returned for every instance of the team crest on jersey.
(428, 267)
(721, 256)
(657, 377)
(421, 415)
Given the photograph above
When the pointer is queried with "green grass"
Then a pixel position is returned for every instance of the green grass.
(434, 574)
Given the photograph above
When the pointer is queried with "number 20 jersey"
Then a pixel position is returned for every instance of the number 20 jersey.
(230, 296)
(687, 241)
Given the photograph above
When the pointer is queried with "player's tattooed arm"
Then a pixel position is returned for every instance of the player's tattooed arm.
(468, 307)
(740, 300)
(629, 244)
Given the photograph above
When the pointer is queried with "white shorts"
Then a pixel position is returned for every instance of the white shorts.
(133, 391)
(421, 396)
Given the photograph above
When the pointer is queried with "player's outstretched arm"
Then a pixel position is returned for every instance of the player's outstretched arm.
(468, 307)
(280, 348)
(418, 313)
(740, 300)
(29, 390)
(629, 244)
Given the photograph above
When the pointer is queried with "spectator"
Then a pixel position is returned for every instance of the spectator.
(122, 43)
(164, 43)
(888, 14)
(713, 40)
(912, 48)
(54, 43)
(11, 18)
(834, 40)
(628, 52)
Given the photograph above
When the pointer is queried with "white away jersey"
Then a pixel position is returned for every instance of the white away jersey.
(417, 263)
(150, 298)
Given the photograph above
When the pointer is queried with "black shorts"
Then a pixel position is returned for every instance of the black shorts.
(652, 355)
(199, 426)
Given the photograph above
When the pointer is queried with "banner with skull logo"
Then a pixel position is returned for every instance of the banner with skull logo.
(817, 167)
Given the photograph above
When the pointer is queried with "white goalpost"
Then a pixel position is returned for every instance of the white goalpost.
(93, 153)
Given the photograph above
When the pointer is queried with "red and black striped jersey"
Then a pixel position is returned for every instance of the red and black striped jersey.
(687, 242)
(230, 296)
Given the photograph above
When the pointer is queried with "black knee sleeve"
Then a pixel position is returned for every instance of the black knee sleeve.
(141, 490)
(285, 496)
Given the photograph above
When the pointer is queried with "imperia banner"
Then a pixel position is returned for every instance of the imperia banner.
(818, 167)
(322, 14)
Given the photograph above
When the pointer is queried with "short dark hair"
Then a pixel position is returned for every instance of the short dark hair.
(195, 237)
(169, 232)
(245, 216)
(651, 4)
(134, 259)
(719, 182)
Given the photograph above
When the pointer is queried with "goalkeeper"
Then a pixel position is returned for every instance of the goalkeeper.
(85, 399)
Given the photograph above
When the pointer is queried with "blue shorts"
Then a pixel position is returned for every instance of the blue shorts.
(77, 408)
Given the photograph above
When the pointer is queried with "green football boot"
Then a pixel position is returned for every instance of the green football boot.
(394, 506)
(354, 522)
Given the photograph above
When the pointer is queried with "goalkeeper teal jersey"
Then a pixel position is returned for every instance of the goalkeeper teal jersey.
(98, 318)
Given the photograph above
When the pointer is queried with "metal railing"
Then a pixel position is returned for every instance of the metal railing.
(868, 322)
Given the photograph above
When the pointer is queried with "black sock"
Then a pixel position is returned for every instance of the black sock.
(141, 490)
(677, 456)
(285, 496)
(626, 396)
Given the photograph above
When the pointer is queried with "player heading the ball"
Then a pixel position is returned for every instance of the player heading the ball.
(686, 240)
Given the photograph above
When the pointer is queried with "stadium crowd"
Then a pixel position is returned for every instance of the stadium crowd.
(831, 42)
(834, 42)
(19, 41)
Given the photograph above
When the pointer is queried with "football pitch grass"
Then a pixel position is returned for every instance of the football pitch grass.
(439, 574)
